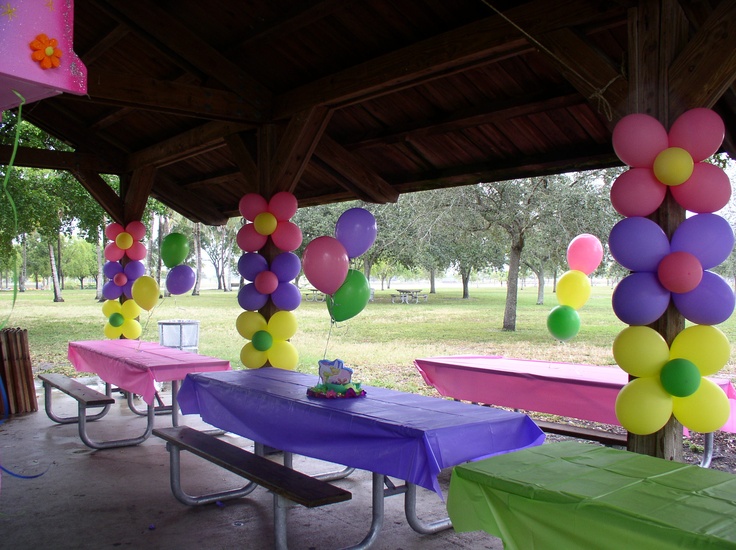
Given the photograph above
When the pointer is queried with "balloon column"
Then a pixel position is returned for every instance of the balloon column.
(326, 263)
(670, 380)
(584, 255)
(268, 339)
(174, 250)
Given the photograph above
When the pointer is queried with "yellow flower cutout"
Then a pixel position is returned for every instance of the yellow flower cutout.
(268, 340)
(46, 52)
(670, 380)
(122, 319)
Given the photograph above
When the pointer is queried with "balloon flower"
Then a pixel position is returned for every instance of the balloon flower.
(678, 269)
(121, 278)
(268, 340)
(269, 219)
(121, 319)
(273, 281)
(584, 255)
(659, 160)
(125, 241)
(671, 381)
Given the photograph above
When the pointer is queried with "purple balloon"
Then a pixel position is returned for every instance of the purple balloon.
(110, 269)
(710, 303)
(638, 244)
(180, 279)
(249, 298)
(639, 299)
(251, 264)
(134, 270)
(356, 229)
(286, 266)
(286, 297)
(708, 237)
(128, 289)
(111, 291)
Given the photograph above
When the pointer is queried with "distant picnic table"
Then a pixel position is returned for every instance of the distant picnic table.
(408, 296)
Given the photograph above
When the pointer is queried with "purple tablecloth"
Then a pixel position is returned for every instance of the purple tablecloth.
(407, 436)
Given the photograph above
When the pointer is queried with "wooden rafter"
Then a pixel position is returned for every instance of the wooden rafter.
(101, 192)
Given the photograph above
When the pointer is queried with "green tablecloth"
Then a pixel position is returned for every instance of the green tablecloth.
(576, 495)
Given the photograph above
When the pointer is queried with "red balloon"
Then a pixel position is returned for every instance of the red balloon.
(136, 229)
(112, 230)
(249, 239)
(137, 251)
(707, 190)
(637, 192)
(287, 236)
(266, 282)
(283, 205)
(251, 205)
(326, 263)
(699, 131)
(638, 139)
(680, 272)
(120, 279)
(113, 253)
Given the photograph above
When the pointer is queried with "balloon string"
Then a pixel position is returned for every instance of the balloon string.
(329, 334)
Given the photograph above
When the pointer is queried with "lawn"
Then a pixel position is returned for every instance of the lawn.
(380, 343)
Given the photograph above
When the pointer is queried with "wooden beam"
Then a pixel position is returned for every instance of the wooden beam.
(143, 92)
(101, 192)
(706, 67)
(241, 153)
(137, 191)
(474, 44)
(57, 160)
(358, 177)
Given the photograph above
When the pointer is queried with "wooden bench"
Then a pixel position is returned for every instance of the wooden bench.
(285, 484)
(579, 432)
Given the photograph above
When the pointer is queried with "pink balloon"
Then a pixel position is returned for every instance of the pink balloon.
(113, 253)
(699, 131)
(249, 239)
(706, 191)
(112, 230)
(680, 272)
(287, 236)
(326, 263)
(136, 229)
(137, 251)
(638, 139)
(120, 279)
(283, 205)
(251, 205)
(266, 282)
(637, 192)
(584, 253)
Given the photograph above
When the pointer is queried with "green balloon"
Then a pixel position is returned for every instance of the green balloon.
(351, 298)
(563, 322)
(116, 319)
(262, 340)
(680, 377)
(174, 249)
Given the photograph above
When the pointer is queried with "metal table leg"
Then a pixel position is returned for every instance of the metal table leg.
(114, 443)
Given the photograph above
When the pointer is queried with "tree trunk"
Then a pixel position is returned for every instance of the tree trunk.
(512, 290)
(58, 261)
(55, 275)
(100, 275)
(465, 276)
(198, 255)
(23, 264)
(540, 285)
(432, 288)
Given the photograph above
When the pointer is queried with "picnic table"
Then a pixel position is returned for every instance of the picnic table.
(408, 296)
(313, 295)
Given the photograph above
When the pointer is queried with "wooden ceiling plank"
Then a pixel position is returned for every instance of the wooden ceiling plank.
(143, 92)
(706, 67)
(167, 33)
(241, 153)
(101, 192)
(101, 47)
(296, 146)
(194, 206)
(475, 43)
(57, 160)
(362, 180)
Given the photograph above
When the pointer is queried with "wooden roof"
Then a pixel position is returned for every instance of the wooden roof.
(199, 103)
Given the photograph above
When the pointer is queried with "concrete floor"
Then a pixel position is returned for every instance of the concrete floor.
(121, 498)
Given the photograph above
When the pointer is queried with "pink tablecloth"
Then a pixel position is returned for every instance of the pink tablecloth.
(587, 392)
(133, 365)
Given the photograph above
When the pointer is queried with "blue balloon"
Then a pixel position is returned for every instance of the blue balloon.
(286, 266)
(710, 303)
(249, 298)
(134, 269)
(251, 264)
(286, 297)
(110, 269)
(639, 299)
(181, 279)
(111, 291)
(356, 230)
(708, 237)
(638, 244)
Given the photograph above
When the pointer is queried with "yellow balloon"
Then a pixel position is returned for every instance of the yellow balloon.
(124, 240)
(145, 292)
(705, 345)
(640, 351)
(673, 166)
(250, 322)
(251, 357)
(573, 289)
(282, 325)
(112, 332)
(130, 309)
(707, 410)
(110, 307)
(283, 355)
(265, 223)
(643, 406)
(131, 329)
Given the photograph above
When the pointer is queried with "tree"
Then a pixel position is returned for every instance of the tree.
(80, 260)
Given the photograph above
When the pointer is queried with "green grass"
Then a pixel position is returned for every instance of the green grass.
(380, 343)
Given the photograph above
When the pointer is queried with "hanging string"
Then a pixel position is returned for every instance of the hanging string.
(329, 334)
(604, 107)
